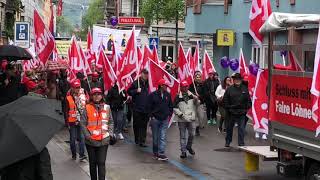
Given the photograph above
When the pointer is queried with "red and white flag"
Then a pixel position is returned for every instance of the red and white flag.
(260, 103)
(243, 68)
(115, 59)
(59, 8)
(44, 41)
(129, 63)
(51, 23)
(155, 55)
(293, 66)
(90, 55)
(259, 13)
(109, 76)
(315, 87)
(147, 54)
(194, 66)
(99, 62)
(155, 74)
(207, 66)
(77, 60)
(84, 60)
(183, 67)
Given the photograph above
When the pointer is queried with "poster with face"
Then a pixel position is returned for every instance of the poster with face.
(105, 37)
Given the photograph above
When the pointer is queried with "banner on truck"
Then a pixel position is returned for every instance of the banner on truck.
(291, 102)
(106, 36)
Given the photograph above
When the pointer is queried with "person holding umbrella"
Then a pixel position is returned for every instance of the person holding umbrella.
(97, 126)
(76, 102)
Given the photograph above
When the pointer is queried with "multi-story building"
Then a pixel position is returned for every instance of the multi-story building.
(2, 20)
(205, 18)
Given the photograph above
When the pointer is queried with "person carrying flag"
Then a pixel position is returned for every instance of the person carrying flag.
(161, 108)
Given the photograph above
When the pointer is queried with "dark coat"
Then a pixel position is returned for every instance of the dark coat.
(160, 107)
(210, 87)
(140, 100)
(200, 91)
(116, 100)
(37, 167)
(236, 100)
(12, 91)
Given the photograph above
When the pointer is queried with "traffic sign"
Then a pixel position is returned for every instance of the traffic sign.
(22, 34)
(153, 42)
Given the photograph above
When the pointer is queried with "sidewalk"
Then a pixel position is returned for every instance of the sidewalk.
(63, 167)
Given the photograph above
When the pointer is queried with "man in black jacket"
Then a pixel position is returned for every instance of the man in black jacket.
(236, 101)
(139, 91)
(116, 101)
(161, 108)
(210, 86)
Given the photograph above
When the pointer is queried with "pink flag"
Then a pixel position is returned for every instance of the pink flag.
(260, 103)
(129, 63)
(109, 76)
(315, 87)
(207, 66)
(260, 11)
(183, 67)
(244, 71)
(44, 41)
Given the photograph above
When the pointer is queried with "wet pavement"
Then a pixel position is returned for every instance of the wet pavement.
(126, 161)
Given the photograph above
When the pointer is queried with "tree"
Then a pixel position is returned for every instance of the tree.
(167, 10)
(174, 12)
(64, 26)
(94, 15)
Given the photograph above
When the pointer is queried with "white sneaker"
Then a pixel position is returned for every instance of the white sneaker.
(257, 135)
(120, 136)
(264, 137)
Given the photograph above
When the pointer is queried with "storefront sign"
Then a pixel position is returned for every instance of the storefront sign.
(225, 37)
(131, 20)
(291, 101)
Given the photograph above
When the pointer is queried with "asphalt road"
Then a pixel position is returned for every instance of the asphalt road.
(126, 161)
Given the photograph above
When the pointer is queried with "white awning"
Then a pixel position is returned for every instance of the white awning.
(280, 21)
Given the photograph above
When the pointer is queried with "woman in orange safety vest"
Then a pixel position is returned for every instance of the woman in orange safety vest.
(97, 127)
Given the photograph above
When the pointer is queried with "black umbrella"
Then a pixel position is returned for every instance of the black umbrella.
(26, 127)
(14, 53)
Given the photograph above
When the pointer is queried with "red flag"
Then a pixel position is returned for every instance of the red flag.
(51, 23)
(89, 40)
(183, 67)
(44, 41)
(244, 71)
(77, 59)
(129, 63)
(59, 8)
(260, 11)
(260, 103)
(115, 59)
(147, 54)
(99, 61)
(156, 73)
(109, 77)
(155, 55)
(207, 66)
(315, 87)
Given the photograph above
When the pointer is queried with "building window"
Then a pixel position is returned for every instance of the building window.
(260, 55)
(167, 51)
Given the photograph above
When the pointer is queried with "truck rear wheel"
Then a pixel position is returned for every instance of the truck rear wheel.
(313, 172)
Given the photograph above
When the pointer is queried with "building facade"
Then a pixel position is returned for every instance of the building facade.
(209, 16)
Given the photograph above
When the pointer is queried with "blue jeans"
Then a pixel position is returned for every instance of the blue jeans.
(159, 129)
(119, 121)
(240, 119)
(185, 127)
(76, 134)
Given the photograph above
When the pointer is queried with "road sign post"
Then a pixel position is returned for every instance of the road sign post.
(22, 34)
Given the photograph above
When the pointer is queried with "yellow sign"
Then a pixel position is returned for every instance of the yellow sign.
(225, 37)
(64, 45)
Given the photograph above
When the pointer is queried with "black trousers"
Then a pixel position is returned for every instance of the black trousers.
(212, 108)
(140, 124)
(97, 161)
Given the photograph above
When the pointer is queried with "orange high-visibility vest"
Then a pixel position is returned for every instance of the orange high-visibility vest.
(98, 121)
(72, 110)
